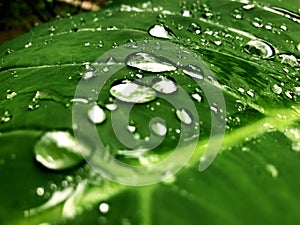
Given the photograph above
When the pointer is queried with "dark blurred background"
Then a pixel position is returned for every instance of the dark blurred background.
(19, 16)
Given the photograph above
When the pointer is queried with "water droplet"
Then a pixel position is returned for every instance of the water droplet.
(161, 31)
(184, 116)
(40, 191)
(193, 71)
(276, 89)
(197, 97)
(159, 128)
(10, 94)
(111, 61)
(111, 107)
(133, 92)
(194, 28)
(164, 85)
(104, 207)
(272, 170)
(289, 59)
(186, 13)
(133, 153)
(149, 62)
(250, 93)
(58, 150)
(6, 117)
(132, 44)
(80, 100)
(248, 6)
(260, 48)
(96, 114)
(28, 45)
(131, 128)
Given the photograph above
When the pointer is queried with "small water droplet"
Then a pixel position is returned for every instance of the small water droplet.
(272, 170)
(111, 61)
(28, 45)
(164, 85)
(131, 128)
(133, 92)
(193, 71)
(10, 94)
(248, 6)
(132, 44)
(260, 48)
(250, 93)
(184, 116)
(40, 191)
(111, 106)
(186, 13)
(104, 207)
(149, 62)
(6, 117)
(276, 89)
(289, 59)
(197, 97)
(58, 150)
(194, 28)
(159, 128)
(161, 31)
(96, 114)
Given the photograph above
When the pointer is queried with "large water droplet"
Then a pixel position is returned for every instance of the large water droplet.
(96, 114)
(58, 150)
(193, 71)
(149, 62)
(184, 116)
(161, 31)
(164, 85)
(260, 48)
(133, 92)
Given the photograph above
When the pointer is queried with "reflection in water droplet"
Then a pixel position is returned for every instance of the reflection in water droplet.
(161, 31)
(184, 116)
(164, 85)
(272, 170)
(58, 150)
(276, 89)
(289, 59)
(193, 71)
(260, 48)
(96, 114)
(149, 62)
(133, 92)
(159, 128)
(103, 207)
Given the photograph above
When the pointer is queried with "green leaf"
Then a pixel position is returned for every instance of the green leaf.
(253, 180)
